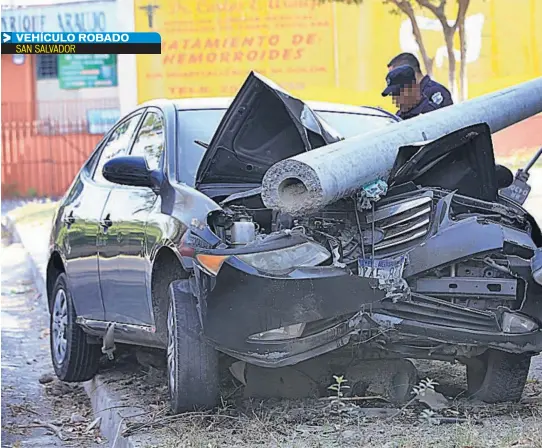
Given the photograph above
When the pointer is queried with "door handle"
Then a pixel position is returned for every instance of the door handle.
(69, 219)
(106, 223)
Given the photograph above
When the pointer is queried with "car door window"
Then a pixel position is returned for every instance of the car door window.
(117, 143)
(150, 140)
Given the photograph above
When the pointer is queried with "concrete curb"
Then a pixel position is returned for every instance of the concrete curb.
(8, 224)
(38, 279)
(105, 406)
(104, 403)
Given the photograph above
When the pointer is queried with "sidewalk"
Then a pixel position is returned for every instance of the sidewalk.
(35, 238)
(37, 410)
(105, 403)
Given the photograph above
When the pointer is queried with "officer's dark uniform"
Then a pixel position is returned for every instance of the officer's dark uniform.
(404, 76)
(424, 106)
(437, 93)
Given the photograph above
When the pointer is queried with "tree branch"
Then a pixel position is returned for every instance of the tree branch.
(406, 7)
(462, 7)
(427, 4)
(438, 11)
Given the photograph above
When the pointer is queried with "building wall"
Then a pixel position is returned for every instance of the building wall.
(324, 50)
(18, 89)
(46, 134)
(330, 51)
(51, 101)
(54, 103)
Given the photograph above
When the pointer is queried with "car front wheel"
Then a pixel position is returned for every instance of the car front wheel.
(193, 374)
(497, 376)
(74, 359)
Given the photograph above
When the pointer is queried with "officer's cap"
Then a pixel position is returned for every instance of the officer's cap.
(398, 78)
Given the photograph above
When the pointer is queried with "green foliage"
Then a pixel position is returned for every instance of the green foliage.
(339, 385)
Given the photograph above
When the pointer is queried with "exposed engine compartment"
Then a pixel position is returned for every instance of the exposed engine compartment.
(403, 219)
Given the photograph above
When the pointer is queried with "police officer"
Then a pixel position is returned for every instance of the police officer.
(437, 93)
(407, 93)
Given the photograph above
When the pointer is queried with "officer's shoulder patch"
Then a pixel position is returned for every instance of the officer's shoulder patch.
(437, 98)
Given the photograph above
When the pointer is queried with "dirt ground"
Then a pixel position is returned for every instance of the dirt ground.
(241, 422)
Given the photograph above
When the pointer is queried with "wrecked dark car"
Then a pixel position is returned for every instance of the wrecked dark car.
(163, 241)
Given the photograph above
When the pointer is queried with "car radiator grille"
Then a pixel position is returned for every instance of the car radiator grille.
(402, 224)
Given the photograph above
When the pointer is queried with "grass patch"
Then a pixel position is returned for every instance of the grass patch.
(34, 213)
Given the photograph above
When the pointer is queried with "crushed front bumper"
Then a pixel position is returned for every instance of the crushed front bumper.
(515, 343)
(244, 302)
(430, 319)
(240, 302)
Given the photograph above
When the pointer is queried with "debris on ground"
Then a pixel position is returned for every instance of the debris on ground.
(442, 415)
(46, 378)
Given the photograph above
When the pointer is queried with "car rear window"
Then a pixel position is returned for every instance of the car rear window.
(202, 124)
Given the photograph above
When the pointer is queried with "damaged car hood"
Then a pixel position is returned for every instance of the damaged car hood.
(462, 160)
(263, 125)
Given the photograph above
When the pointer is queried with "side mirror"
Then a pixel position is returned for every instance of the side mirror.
(132, 171)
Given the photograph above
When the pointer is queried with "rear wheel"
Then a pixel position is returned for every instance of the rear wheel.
(193, 373)
(497, 376)
(74, 359)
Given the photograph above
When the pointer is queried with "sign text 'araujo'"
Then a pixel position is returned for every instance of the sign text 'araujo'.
(96, 16)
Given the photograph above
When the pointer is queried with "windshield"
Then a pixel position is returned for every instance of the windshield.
(195, 125)
(350, 125)
(201, 125)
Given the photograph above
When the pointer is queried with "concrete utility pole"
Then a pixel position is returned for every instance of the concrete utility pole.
(309, 181)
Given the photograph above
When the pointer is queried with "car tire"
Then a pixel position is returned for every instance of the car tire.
(192, 364)
(74, 359)
(497, 376)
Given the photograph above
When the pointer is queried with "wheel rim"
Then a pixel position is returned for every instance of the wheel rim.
(171, 349)
(60, 325)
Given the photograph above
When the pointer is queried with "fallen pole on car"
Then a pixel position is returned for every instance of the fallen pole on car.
(309, 181)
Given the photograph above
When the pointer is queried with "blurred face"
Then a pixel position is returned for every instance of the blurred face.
(408, 97)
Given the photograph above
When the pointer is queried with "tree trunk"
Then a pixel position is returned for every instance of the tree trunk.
(407, 9)
(427, 61)
(463, 81)
(463, 6)
(449, 38)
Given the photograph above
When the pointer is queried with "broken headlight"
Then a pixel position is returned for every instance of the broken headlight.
(279, 334)
(517, 323)
(281, 261)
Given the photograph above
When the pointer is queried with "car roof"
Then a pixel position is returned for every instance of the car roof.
(224, 103)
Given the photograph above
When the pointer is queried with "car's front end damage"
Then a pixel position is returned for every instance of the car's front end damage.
(434, 264)
(467, 281)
